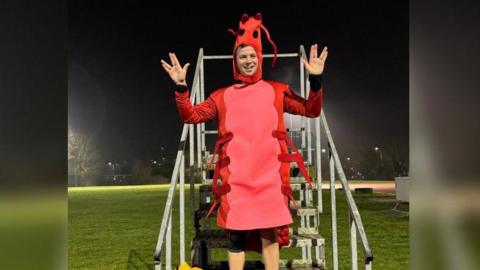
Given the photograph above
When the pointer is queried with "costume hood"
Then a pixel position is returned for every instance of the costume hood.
(249, 33)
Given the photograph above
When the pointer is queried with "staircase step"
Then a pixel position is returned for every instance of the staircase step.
(301, 204)
(306, 240)
(304, 211)
(207, 181)
(301, 186)
(294, 184)
(201, 213)
(294, 130)
(294, 164)
(218, 239)
(303, 264)
(284, 264)
(302, 231)
(206, 161)
(297, 180)
(211, 238)
(213, 233)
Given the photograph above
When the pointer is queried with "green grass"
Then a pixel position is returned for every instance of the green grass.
(117, 228)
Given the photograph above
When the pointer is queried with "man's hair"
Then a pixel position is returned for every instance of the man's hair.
(241, 46)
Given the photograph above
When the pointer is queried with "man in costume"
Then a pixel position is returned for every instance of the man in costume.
(252, 144)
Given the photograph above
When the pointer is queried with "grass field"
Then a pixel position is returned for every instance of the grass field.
(117, 228)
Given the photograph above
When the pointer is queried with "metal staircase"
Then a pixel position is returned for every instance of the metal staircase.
(304, 233)
(305, 236)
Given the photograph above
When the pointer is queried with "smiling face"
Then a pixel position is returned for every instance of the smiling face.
(247, 61)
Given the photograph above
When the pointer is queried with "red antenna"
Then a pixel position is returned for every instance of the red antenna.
(272, 43)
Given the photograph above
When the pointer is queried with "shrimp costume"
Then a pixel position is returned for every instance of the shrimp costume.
(252, 145)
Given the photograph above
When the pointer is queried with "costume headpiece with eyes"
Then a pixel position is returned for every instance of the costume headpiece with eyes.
(249, 34)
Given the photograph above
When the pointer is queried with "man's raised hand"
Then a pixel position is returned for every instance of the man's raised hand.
(176, 72)
(316, 64)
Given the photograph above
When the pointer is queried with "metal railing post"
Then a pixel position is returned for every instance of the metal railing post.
(182, 209)
(201, 83)
(191, 164)
(353, 242)
(302, 128)
(334, 213)
(318, 157)
(168, 243)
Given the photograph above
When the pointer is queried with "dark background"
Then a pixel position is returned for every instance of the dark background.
(119, 95)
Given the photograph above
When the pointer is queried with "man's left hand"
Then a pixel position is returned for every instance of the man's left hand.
(316, 64)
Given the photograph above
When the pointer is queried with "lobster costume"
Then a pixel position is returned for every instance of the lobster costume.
(252, 145)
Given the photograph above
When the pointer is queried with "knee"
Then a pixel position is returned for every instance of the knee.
(238, 240)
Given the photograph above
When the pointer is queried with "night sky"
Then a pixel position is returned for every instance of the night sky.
(121, 97)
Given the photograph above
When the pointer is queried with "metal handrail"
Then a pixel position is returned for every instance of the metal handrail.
(353, 210)
(280, 55)
(354, 215)
(167, 214)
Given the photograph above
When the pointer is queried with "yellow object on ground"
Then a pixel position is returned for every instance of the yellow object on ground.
(185, 266)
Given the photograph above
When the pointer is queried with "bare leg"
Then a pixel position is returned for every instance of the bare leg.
(270, 249)
(236, 260)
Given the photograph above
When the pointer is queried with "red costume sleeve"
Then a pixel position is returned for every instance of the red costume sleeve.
(295, 104)
(199, 113)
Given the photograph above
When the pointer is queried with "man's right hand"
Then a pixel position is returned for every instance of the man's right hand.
(176, 72)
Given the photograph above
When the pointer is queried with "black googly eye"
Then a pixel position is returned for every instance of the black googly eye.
(241, 32)
(255, 34)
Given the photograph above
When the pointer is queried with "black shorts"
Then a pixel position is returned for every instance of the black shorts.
(238, 239)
